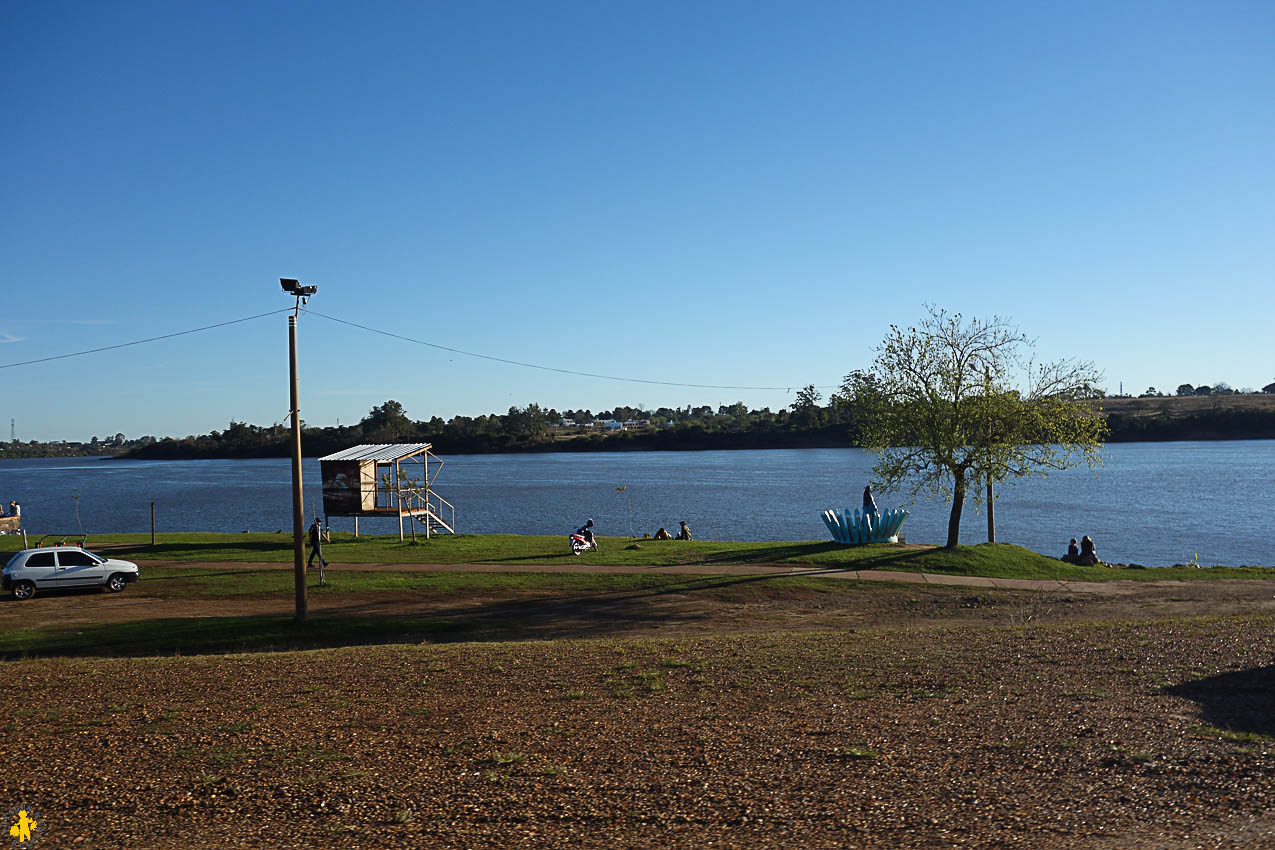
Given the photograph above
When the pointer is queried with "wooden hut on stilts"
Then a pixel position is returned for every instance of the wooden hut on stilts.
(386, 480)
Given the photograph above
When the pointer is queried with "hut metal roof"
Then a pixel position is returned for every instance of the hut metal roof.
(381, 451)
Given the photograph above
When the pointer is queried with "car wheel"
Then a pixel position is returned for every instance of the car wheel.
(24, 590)
(116, 583)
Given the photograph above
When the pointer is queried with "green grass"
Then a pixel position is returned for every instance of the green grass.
(513, 550)
(202, 583)
(197, 635)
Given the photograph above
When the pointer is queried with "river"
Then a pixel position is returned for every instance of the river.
(1151, 503)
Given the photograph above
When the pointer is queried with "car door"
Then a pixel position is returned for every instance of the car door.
(39, 568)
(77, 568)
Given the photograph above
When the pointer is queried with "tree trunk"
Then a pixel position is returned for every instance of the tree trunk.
(958, 502)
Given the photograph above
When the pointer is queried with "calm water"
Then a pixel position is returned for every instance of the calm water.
(1153, 503)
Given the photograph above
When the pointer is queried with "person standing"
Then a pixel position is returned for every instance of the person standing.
(316, 549)
(869, 504)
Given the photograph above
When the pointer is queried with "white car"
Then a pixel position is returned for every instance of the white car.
(55, 567)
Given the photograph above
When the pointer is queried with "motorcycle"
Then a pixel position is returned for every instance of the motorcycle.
(580, 545)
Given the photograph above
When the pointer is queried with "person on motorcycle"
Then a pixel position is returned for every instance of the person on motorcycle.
(586, 531)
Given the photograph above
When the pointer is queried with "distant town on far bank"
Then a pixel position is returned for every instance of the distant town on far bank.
(1191, 413)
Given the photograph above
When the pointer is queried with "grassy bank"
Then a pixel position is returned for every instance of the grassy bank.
(515, 550)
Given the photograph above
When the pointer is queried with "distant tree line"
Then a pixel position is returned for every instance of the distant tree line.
(1219, 388)
(806, 423)
(96, 447)
(809, 422)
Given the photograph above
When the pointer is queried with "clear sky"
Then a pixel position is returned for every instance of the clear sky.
(724, 193)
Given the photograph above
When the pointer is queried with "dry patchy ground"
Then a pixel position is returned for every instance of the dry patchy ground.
(878, 717)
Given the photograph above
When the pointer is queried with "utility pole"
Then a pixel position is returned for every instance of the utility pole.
(991, 501)
(302, 294)
(298, 520)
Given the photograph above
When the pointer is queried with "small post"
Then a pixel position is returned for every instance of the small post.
(152, 523)
(397, 498)
(991, 513)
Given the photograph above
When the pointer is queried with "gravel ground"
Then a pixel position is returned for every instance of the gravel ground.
(1148, 734)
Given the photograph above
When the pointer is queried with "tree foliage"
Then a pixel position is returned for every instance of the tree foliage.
(951, 403)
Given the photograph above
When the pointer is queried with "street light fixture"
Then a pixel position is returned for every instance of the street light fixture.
(294, 287)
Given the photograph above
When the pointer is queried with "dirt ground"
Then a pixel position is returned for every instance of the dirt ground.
(872, 714)
(867, 599)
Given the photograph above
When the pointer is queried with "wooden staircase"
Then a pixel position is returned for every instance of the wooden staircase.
(431, 510)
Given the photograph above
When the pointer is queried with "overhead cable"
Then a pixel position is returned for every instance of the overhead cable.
(536, 365)
(142, 341)
(412, 340)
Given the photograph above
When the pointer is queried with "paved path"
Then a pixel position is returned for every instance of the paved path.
(1102, 588)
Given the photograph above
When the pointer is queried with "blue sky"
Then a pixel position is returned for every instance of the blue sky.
(742, 194)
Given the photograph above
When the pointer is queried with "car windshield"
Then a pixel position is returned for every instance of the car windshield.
(9, 563)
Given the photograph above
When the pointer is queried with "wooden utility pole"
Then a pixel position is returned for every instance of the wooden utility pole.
(298, 519)
(991, 502)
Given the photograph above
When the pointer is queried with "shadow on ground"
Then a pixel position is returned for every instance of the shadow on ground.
(362, 621)
(159, 550)
(204, 635)
(1242, 701)
(808, 553)
(794, 554)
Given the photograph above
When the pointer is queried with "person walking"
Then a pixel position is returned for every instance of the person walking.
(316, 549)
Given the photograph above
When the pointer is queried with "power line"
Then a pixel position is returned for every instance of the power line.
(404, 339)
(142, 341)
(538, 366)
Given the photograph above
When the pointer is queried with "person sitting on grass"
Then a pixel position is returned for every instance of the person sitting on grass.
(685, 532)
(1088, 553)
(663, 535)
(1073, 553)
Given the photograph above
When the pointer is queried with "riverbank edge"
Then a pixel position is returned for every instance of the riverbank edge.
(514, 553)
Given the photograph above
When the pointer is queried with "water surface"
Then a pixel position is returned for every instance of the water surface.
(1152, 503)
